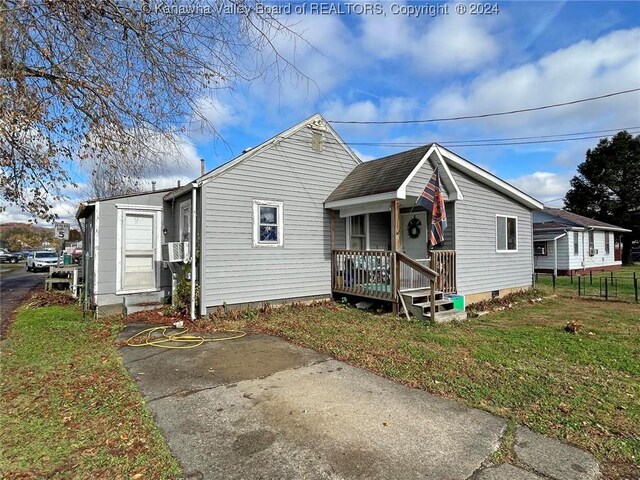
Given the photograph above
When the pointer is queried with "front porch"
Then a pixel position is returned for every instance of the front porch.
(392, 274)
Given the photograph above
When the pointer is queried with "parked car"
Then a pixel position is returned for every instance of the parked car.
(42, 260)
(7, 256)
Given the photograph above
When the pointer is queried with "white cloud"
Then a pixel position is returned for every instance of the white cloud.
(544, 186)
(212, 112)
(585, 69)
(312, 58)
(65, 209)
(443, 45)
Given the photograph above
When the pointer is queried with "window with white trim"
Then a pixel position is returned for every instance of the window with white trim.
(506, 233)
(592, 244)
(576, 244)
(268, 223)
(358, 232)
(607, 246)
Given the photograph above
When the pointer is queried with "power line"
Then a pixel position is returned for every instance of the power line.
(485, 115)
(484, 142)
(537, 142)
(456, 142)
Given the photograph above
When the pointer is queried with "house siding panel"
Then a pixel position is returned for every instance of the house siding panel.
(479, 267)
(291, 172)
(416, 186)
(600, 259)
(380, 231)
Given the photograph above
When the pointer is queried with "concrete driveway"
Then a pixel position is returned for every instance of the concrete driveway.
(259, 407)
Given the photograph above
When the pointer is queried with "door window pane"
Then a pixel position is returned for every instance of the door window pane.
(358, 232)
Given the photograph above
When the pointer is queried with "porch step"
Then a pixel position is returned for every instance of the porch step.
(138, 298)
(142, 301)
(418, 302)
(441, 305)
(419, 295)
(129, 309)
(448, 316)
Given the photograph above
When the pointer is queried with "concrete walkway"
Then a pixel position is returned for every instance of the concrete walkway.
(259, 407)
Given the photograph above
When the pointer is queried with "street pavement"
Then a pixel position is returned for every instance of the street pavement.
(15, 286)
(260, 407)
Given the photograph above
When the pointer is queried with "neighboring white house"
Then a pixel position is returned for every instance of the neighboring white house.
(565, 243)
(301, 217)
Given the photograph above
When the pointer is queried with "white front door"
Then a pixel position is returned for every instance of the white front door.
(415, 248)
(138, 252)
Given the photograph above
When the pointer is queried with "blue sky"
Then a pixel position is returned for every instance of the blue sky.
(397, 67)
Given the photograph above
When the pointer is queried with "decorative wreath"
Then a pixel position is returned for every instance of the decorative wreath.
(414, 227)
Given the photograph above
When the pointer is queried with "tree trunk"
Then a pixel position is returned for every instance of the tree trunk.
(626, 248)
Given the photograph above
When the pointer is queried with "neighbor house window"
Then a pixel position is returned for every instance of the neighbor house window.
(592, 247)
(540, 248)
(576, 244)
(606, 243)
(268, 223)
(506, 234)
(357, 232)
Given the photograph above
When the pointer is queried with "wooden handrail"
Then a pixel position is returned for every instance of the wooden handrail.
(432, 274)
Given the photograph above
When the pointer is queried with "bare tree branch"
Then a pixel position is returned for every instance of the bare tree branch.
(92, 81)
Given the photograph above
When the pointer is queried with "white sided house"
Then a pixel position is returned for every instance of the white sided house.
(567, 243)
(300, 217)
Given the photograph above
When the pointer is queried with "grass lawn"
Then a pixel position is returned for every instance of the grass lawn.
(69, 410)
(519, 363)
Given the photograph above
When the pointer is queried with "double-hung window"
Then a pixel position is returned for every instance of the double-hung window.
(357, 232)
(268, 223)
(506, 233)
(607, 246)
(576, 244)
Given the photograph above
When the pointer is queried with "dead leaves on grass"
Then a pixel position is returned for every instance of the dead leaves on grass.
(49, 299)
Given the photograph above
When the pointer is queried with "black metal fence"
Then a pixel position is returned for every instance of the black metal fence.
(603, 285)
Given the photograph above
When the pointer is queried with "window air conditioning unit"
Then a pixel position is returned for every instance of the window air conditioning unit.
(178, 252)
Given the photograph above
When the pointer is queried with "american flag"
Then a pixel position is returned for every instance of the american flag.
(433, 201)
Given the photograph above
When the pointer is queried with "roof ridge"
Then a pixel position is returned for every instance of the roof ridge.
(404, 152)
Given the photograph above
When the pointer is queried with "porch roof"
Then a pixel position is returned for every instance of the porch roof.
(383, 175)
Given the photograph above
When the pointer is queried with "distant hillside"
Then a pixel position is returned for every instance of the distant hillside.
(11, 225)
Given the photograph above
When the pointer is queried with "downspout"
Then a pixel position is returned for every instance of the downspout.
(194, 270)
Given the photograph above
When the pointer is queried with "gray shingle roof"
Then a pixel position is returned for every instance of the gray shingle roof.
(573, 219)
(379, 176)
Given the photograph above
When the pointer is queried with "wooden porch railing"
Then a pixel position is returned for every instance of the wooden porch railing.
(411, 279)
(444, 263)
(381, 275)
(365, 273)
